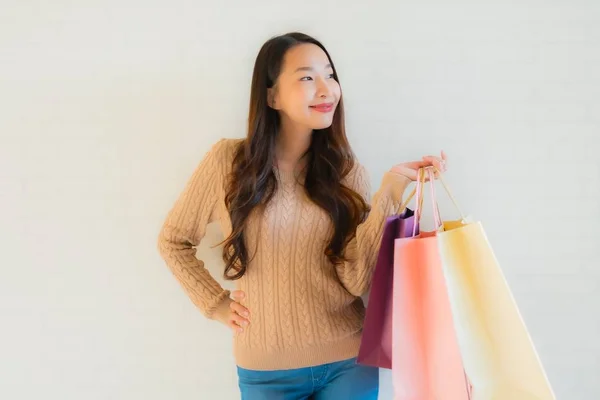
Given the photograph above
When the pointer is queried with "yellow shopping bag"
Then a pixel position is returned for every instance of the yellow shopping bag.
(498, 354)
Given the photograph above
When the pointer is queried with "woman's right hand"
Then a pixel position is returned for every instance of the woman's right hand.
(410, 169)
(233, 314)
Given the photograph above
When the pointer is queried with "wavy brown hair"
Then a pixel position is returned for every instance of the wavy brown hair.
(252, 182)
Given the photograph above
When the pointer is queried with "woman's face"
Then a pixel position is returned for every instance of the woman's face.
(306, 93)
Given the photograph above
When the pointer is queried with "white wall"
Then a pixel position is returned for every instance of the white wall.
(106, 107)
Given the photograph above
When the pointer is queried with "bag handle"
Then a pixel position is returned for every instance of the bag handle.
(419, 198)
(408, 199)
(412, 194)
(414, 191)
(441, 179)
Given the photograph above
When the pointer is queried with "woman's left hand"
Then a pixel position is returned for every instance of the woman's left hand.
(411, 168)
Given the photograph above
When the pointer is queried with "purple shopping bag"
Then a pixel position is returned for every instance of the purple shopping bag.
(376, 343)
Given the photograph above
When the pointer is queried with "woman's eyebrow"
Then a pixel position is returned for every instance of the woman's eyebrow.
(310, 68)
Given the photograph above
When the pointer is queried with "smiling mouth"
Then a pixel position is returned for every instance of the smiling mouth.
(324, 108)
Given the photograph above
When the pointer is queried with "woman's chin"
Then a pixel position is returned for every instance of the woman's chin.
(326, 123)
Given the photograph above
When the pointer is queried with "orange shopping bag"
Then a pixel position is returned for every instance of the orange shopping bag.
(426, 358)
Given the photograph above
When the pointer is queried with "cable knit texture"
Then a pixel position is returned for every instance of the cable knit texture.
(304, 311)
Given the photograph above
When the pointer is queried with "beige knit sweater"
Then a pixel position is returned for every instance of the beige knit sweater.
(304, 311)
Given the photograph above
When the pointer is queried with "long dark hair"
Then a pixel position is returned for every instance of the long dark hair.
(252, 182)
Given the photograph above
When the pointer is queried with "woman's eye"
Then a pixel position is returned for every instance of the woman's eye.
(307, 78)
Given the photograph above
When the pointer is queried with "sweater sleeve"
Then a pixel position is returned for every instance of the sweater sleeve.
(361, 252)
(185, 226)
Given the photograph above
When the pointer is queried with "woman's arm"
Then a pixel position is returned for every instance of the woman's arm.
(361, 252)
(185, 226)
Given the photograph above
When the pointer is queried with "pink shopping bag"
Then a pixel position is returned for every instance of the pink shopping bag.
(426, 358)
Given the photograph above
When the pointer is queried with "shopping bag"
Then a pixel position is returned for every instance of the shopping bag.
(497, 351)
(376, 342)
(426, 359)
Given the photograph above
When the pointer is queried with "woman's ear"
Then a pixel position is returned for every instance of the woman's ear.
(272, 98)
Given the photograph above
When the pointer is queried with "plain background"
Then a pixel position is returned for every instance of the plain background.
(106, 107)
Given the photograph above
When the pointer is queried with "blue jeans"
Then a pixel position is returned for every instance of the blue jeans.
(341, 380)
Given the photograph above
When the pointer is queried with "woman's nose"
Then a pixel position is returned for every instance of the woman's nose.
(323, 89)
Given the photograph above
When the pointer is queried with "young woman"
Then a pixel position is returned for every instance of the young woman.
(301, 240)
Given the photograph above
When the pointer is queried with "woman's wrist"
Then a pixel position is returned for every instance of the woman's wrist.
(395, 180)
(221, 310)
(391, 191)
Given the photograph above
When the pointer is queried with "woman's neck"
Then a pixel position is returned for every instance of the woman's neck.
(292, 143)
